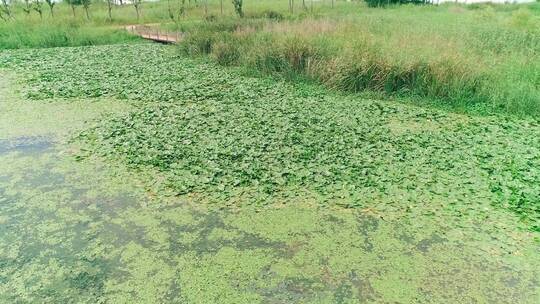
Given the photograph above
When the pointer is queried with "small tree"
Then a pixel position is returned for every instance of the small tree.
(377, 3)
(170, 11)
(238, 7)
(5, 11)
(137, 5)
(110, 4)
(73, 4)
(182, 10)
(38, 7)
(27, 8)
(51, 5)
(86, 5)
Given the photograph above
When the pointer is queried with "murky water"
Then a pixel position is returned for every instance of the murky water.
(70, 232)
(91, 232)
(25, 145)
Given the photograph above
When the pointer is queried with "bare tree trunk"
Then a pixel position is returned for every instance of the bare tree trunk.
(73, 10)
(221, 6)
(109, 7)
(5, 10)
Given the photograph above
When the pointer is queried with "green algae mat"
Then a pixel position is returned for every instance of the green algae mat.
(129, 174)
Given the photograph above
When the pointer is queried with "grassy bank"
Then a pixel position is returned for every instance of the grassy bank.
(64, 29)
(480, 59)
(16, 35)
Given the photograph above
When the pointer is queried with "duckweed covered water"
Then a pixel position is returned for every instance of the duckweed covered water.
(92, 231)
(71, 232)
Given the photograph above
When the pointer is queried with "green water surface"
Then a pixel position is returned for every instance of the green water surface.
(94, 232)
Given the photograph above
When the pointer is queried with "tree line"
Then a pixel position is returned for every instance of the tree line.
(42, 7)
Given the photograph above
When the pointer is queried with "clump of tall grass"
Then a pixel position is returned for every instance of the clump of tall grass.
(420, 52)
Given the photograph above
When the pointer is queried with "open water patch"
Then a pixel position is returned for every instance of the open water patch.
(26, 145)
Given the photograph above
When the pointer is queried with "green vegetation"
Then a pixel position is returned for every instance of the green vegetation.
(223, 137)
(22, 34)
(481, 60)
(76, 23)
(35, 26)
(144, 173)
(93, 232)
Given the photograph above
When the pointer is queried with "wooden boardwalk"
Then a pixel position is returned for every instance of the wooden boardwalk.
(155, 34)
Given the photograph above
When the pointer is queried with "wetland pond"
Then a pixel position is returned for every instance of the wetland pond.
(90, 231)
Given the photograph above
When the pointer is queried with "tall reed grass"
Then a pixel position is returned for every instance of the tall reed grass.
(480, 59)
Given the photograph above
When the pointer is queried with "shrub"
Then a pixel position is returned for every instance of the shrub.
(198, 43)
(211, 18)
(523, 19)
(226, 53)
(378, 3)
(238, 7)
(269, 14)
